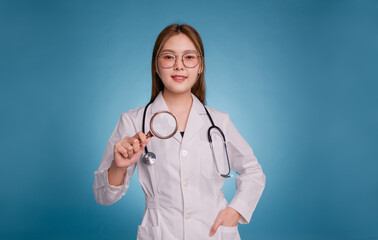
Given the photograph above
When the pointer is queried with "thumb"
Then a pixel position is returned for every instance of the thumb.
(144, 145)
(147, 140)
(215, 227)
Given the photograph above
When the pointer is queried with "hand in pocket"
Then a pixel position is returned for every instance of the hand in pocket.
(228, 217)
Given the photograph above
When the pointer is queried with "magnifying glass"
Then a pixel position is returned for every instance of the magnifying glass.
(163, 125)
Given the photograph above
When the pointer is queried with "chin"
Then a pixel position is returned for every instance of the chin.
(177, 90)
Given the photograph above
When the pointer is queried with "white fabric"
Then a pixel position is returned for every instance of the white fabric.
(183, 190)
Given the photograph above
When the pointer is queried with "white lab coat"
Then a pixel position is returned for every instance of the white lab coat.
(183, 190)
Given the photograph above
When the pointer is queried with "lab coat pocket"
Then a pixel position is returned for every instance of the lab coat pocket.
(148, 233)
(229, 233)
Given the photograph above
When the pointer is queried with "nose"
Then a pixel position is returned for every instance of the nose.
(179, 64)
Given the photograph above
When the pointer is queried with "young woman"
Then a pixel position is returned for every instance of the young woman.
(183, 189)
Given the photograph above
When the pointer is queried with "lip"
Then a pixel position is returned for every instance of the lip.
(178, 78)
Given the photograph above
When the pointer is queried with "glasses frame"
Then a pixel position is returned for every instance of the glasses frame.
(182, 60)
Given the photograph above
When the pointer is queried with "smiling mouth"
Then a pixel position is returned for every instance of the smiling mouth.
(178, 78)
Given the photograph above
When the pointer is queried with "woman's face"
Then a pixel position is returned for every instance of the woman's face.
(178, 79)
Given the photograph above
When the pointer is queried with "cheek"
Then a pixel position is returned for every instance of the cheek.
(165, 76)
(194, 73)
(162, 72)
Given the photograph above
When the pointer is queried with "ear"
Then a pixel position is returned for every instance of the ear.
(200, 70)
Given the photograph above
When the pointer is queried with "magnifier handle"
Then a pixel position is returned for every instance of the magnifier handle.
(149, 134)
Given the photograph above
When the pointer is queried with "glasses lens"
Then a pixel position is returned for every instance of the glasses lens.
(167, 60)
(190, 60)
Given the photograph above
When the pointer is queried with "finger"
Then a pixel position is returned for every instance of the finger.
(142, 138)
(120, 149)
(129, 148)
(136, 157)
(215, 226)
(124, 142)
(147, 140)
(136, 144)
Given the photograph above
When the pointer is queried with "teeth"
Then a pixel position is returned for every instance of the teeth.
(179, 77)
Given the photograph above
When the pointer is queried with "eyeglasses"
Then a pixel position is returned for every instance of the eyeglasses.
(169, 60)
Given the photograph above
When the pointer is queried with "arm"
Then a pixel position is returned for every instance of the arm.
(249, 184)
(112, 177)
(251, 180)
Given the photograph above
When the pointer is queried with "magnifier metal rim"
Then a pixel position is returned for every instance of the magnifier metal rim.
(152, 129)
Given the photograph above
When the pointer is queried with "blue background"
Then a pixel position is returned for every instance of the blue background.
(298, 78)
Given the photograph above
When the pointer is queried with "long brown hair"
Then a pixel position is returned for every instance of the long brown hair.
(199, 88)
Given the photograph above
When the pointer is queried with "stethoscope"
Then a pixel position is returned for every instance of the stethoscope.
(149, 158)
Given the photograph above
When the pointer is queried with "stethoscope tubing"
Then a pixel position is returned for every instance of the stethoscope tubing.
(213, 126)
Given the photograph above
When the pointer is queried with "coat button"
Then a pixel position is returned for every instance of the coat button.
(186, 183)
(184, 153)
(187, 216)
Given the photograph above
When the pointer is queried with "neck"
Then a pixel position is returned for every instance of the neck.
(178, 102)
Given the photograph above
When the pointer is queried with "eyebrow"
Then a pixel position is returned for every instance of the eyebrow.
(170, 50)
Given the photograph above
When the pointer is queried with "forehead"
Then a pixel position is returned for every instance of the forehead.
(179, 43)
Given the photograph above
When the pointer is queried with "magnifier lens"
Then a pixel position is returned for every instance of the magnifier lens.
(163, 125)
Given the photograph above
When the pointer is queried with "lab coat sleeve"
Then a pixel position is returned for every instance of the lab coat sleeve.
(251, 180)
(106, 194)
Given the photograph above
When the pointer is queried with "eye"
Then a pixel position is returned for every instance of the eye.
(190, 56)
(167, 57)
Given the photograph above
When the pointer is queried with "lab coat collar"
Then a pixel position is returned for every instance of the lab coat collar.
(194, 123)
(159, 104)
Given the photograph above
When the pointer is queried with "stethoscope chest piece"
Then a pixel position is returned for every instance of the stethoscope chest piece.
(149, 158)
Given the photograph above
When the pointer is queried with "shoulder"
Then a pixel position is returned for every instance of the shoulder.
(216, 111)
(219, 117)
(132, 119)
(133, 114)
